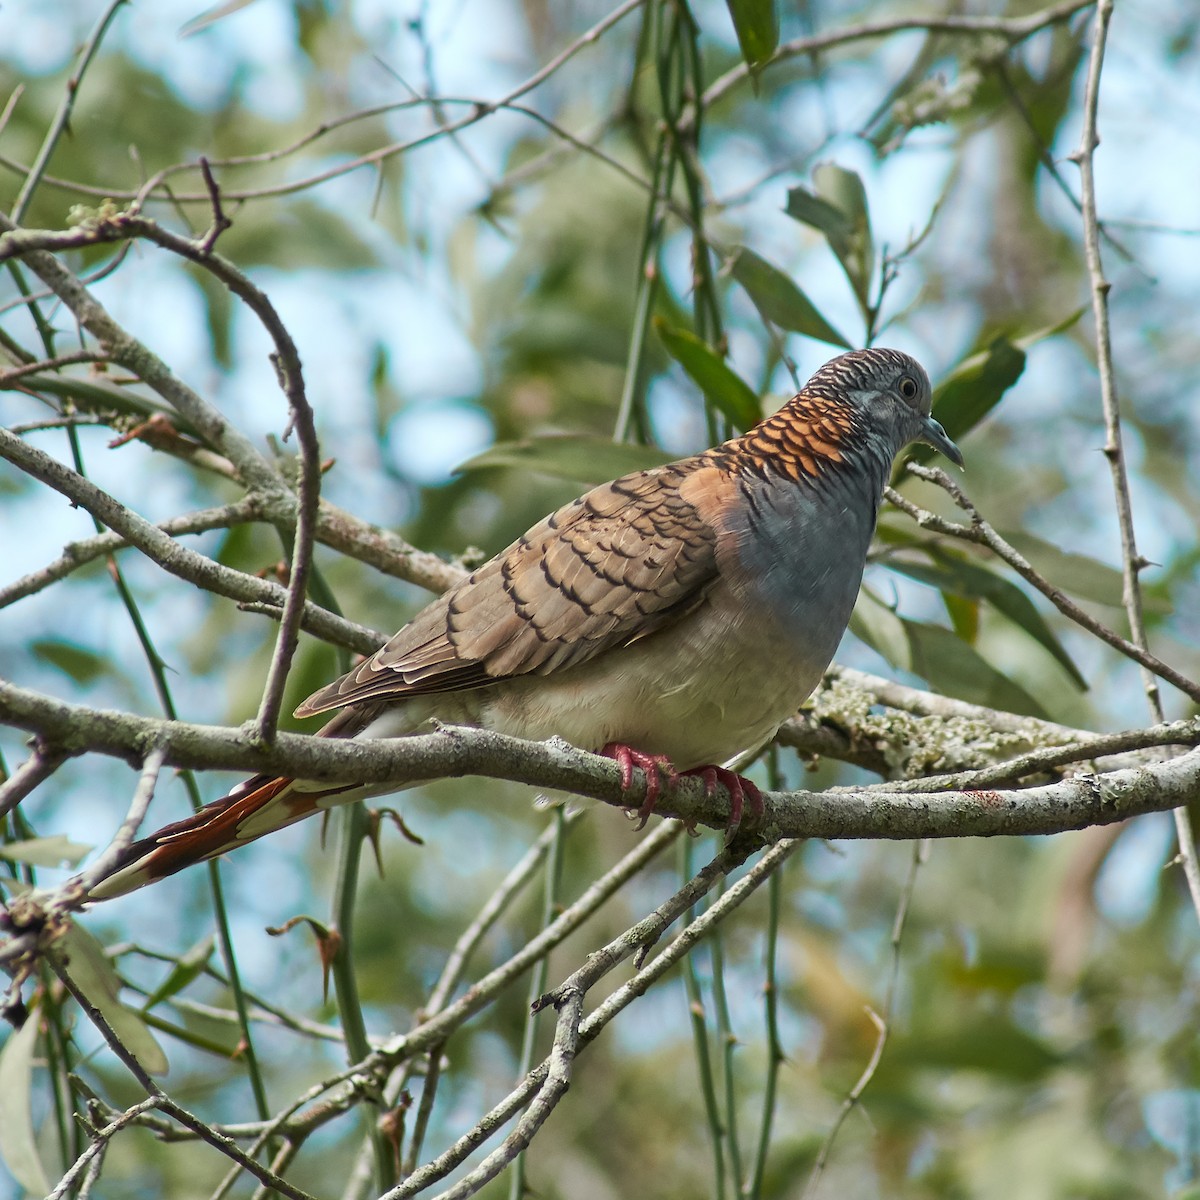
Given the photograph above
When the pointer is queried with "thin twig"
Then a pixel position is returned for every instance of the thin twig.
(169, 554)
(480, 110)
(1132, 561)
(255, 471)
(982, 534)
(13, 374)
(164, 1103)
(880, 1019)
(1014, 29)
(99, 1140)
(36, 769)
(138, 807)
(62, 117)
(86, 550)
(568, 997)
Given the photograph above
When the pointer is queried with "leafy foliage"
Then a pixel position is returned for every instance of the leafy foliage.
(497, 302)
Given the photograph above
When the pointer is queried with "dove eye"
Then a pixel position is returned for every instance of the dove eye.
(908, 388)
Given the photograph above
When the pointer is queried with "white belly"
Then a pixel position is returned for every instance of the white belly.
(698, 704)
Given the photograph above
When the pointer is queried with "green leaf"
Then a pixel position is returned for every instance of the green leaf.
(838, 208)
(579, 456)
(1026, 340)
(938, 656)
(95, 977)
(721, 385)
(187, 968)
(955, 669)
(959, 577)
(974, 388)
(757, 26)
(993, 1046)
(881, 629)
(18, 1146)
(46, 851)
(809, 209)
(1081, 576)
(81, 664)
(979, 382)
(964, 616)
(779, 300)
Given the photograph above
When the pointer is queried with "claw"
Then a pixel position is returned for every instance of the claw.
(740, 791)
(653, 765)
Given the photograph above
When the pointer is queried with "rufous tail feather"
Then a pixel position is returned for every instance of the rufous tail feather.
(252, 810)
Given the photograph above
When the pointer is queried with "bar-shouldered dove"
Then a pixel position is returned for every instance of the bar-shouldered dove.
(674, 617)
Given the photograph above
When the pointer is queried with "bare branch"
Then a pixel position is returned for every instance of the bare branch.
(168, 554)
(982, 534)
(165, 1104)
(37, 768)
(881, 1020)
(79, 554)
(1013, 29)
(121, 348)
(1131, 560)
(62, 118)
(878, 811)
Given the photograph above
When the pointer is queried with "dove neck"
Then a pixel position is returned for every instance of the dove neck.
(815, 440)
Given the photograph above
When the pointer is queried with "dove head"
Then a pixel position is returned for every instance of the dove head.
(892, 392)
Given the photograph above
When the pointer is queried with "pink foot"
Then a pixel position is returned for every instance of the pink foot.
(740, 790)
(653, 764)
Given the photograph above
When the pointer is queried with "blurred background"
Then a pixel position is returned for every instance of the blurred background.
(474, 291)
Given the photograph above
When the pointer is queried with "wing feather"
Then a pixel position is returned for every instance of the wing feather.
(620, 562)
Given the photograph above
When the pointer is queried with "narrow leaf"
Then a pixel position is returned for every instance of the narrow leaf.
(838, 208)
(1078, 574)
(721, 385)
(779, 300)
(938, 656)
(979, 382)
(974, 388)
(582, 457)
(964, 616)
(187, 968)
(54, 851)
(757, 26)
(18, 1146)
(95, 977)
(81, 664)
(809, 209)
(955, 669)
(961, 578)
(1040, 335)
(881, 629)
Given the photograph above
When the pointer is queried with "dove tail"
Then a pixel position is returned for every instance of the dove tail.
(252, 810)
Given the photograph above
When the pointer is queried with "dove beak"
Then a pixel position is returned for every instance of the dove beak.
(933, 433)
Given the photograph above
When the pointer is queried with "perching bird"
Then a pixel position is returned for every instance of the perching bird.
(674, 617)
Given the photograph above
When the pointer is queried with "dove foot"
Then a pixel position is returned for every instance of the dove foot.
(741, 791)
(653, 764)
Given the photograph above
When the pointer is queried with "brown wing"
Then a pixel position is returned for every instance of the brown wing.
(620, 562)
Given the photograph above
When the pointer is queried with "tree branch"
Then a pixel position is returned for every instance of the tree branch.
(982, 534)
(452, 752)
(169, 554)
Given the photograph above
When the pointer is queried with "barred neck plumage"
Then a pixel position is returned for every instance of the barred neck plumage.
(816, 433)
